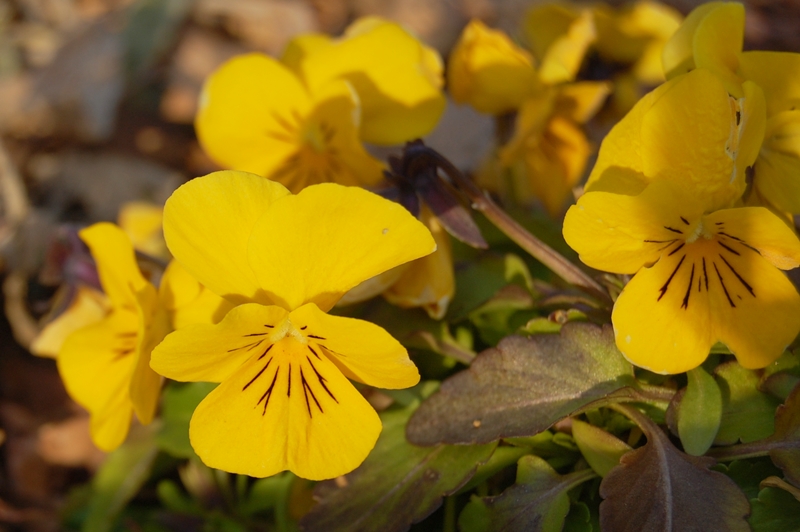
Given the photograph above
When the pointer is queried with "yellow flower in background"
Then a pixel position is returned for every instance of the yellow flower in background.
(489, 72)
(699, 278)
(398, 79)
(87, 306)
(141, 221)
(548, 152)
(559, 36)
(256, 115)
(689, 131)
(635, 35)
(285, 401)
(106, 365)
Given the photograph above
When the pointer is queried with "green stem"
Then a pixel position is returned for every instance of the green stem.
(743, 450)
(449, 524)
(282, 519)
(559, 265)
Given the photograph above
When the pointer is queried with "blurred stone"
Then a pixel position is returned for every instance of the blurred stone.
(463, 135)
(69, 443)
(265, 25)
(199, 52)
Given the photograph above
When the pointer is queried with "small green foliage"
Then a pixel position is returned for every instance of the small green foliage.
(699, 412)
(537, 502)
(774, 510)
(398, 484)
(179, 402)
(747, 414)
(600, 449)
(781, 377)
(748, 474)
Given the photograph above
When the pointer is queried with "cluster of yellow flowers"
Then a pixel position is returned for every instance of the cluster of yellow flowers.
(693, 193)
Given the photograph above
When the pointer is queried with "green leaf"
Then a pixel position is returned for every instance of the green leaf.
(657, 487)
(523, 386)
(537, 502)
(481, 279)
(601, 449)
(397, 485)
(748, 474)
(747, 414)
(119, 479)
(699, 412)
(503, 457)
(579, 518)
(179, 402)
(774, 510)
(781, 377)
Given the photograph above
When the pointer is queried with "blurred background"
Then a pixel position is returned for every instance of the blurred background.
(97, 99)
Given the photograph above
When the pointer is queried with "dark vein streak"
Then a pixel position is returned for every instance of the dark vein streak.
(666, 285)
(723, 285)
(268, 393)
(265, 352)
(674, 251)
(661, 241)
(307, 390)
(728, 248)
(322, 380)
(269, 326)
(304, 327)
(685, 303)
(747, 286)
(668, 228)
(256, 334)
(312, 350)
(258, 374)
(328, 349)
(317, 337)
(248, 346)
(705, 273)
(289, 389)
(684, 220)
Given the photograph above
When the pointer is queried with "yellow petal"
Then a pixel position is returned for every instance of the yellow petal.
(88, 306)
(761, 230)
(718, 43)
(96, 364)
(488, 71)
(374, 285)
(678, 54)
(301, 46)
(653, 327)
(212, 353)
(207, 226)
(187, 300)
(116, 263)
(778, 75)
(362, 350)
(428, 282)
(243, 108)
(692, 135)
(559, 38)
(398, 80)
(317, 245)
(289, 410)
(777, 169)
(580, 101)
(145, 384)
(620, 234)
(141, 221)
(327, 145)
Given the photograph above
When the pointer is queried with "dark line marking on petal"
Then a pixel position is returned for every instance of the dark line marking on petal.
(668, 228)
(742, 242)
(316, 337)
(746, 285)
(248, 346)
(268, 393)
(307, 390)
(738, 117)
(269, 326)
(684, 220)
(723, 285)
(663, 289)
(685, 303)
(289, 389)
(728, 248)
(674, 251)
(328, 349)
(304, 327)
(705, 273)
(256, 334)
(258, 374)
(312, 350)
(699, 284)
(661, 241)
(719, 223)
(265, 352)
(322, 380)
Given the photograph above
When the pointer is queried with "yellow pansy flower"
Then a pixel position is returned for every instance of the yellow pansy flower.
(712, 37)
(106, 365)
(141, 221)
(548, 151)
(257, 115)
(559, 36)
(87, 306)
(397, 78)
(701, 276)
(284, 399)
(489, 72)
(690, 131)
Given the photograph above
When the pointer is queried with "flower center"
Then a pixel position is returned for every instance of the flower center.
(286, 329)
